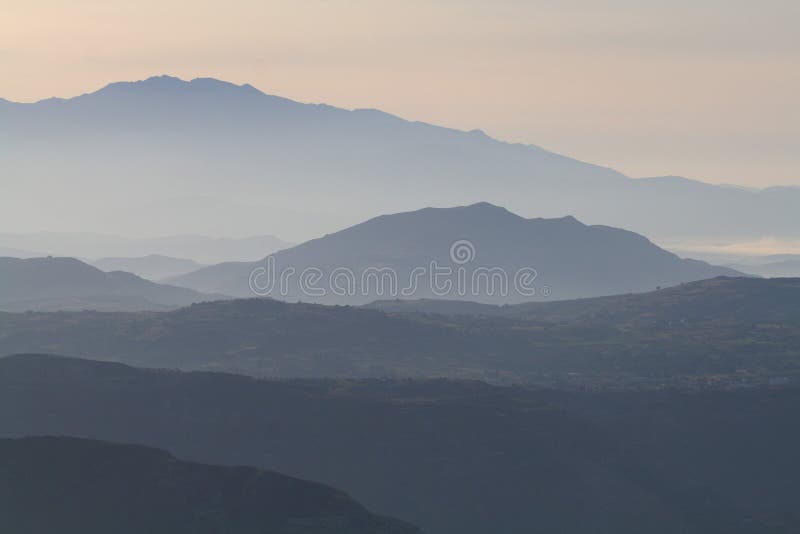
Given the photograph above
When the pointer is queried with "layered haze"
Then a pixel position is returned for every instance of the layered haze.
(166, 156)
(425, 267)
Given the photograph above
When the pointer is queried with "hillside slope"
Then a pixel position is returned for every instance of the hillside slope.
(92, 487)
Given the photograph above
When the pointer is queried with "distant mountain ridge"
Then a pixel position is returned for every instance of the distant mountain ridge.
(564, 258)
(53, 284)
(772, 266)
(237, 145)
(723, 299)
(153, 267)
(93, 246)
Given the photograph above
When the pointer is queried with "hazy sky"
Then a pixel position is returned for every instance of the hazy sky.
(707, 89)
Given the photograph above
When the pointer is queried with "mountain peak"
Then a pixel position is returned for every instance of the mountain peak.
(485, 205)
(569, 219)
(486, 208)
(171, 84)
(164, 79)
(492, 210)
(477, 213)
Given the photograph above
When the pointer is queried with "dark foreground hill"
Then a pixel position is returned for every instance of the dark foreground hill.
(487, 249)
(75, 486)
(52, 284)
(452, 457)
(730, 331)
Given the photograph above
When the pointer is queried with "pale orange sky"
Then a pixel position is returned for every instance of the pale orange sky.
(706, 89)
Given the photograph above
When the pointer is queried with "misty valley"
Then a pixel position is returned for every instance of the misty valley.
(225, 311)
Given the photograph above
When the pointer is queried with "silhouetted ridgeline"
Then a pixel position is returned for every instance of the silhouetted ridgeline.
(52, 284)
(568, 259)
(727, 332)
(74, 486)
(452, 457)
(723, 299)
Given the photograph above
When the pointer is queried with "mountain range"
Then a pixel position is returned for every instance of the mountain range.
(92, 487)
(217, 158)
(724, 332)
(487, 250)
(545, 366)
(53, 284)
